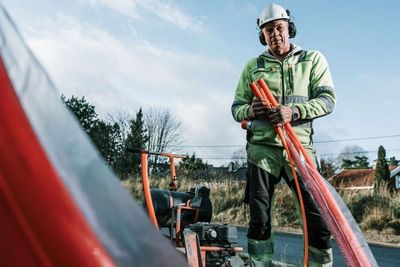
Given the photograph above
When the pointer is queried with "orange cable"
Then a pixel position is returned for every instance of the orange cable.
(259, 93)
(349, 237)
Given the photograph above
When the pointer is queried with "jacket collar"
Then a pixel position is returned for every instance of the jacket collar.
(294, 50)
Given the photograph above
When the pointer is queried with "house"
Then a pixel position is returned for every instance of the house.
(395, 177)
(354, 179)
(359, 179)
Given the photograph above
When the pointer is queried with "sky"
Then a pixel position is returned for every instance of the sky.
(186, 56)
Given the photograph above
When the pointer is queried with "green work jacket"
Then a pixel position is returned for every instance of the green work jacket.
(301, 80)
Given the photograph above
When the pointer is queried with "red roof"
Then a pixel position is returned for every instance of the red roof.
(354, 178)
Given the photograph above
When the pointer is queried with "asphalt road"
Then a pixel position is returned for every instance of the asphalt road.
(289, 249)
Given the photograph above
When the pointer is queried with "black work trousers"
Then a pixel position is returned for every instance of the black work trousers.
(260, 190)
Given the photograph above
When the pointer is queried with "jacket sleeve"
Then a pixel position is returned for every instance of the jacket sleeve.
(243, 96)
(322, 96)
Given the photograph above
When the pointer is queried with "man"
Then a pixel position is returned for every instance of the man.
(301, 82)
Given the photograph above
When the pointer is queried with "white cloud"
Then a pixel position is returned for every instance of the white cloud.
(167, 12)
(126, 7)
(174, 15)
(114, 75)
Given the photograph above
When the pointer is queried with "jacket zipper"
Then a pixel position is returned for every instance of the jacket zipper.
(283, 84)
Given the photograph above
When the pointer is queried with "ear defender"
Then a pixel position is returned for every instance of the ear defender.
(261, 37)
(292, 27)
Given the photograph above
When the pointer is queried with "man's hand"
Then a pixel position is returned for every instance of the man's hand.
(279, 115)
(259, 108)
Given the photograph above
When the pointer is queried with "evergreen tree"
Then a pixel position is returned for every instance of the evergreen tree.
(193, 163)
(393, 162)
(106, 137)
(108, 140)
(84, 113)
(136, 140)
(194, 168)
(348, 155)
(348, 163)
(359, 162)
(382, 173)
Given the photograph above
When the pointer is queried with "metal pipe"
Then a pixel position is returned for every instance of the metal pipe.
(146, 189)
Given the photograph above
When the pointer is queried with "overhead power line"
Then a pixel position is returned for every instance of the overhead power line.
(214, 146)
(322, 155)
(315, 142)
(358, 152)
(358, 139)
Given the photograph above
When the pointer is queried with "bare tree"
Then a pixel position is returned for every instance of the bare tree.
(239, 158)
(164, 131)
(122, 118)
(328, 167)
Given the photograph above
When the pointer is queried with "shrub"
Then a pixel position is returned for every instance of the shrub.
(396, 212)
(376, 218)
(361, 204)
(395, 225)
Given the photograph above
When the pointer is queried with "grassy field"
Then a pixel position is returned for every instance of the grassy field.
(378, 215)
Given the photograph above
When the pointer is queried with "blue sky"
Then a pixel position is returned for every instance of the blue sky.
(187, 56)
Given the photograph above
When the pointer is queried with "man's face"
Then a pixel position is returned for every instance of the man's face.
(276, 34)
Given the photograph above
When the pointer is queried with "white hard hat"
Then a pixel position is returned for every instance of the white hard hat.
(272, 12)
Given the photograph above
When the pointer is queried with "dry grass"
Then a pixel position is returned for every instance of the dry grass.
(227, 202)
(377, 214)
(284, 210)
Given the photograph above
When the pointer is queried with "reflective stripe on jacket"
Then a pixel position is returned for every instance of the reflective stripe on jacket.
(302, 80)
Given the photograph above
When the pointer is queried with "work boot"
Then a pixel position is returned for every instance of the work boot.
(320, 257)
(271, 264)
(254, 263)
(260, 252)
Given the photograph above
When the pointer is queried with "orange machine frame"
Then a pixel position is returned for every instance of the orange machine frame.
(190, 241)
